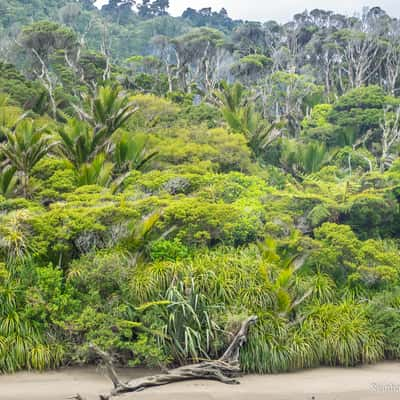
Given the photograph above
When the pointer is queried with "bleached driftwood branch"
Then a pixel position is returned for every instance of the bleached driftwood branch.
(225, 369)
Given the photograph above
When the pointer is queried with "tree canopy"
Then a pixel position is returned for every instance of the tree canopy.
(164, 178)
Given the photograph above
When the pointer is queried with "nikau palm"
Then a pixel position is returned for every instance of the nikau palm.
(100, 151)
(78, 143)
(130, 152)
(109, 110)
(98, 172)
(300, 159)
(82, 140)
(25, 147)
(241, 117)
(237, 112)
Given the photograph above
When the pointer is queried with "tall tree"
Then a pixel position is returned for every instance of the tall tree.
(42, 39)
(151, 9)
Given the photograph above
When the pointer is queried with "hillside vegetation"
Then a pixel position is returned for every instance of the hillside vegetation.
(163, 178)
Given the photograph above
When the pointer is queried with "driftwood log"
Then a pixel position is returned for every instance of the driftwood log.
(224, 370)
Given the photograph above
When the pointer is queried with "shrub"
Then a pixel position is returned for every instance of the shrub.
(372, 215)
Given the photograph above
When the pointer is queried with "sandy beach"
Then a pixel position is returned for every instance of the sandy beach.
(381, 381)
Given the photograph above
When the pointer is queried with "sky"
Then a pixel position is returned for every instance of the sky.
(280, 10)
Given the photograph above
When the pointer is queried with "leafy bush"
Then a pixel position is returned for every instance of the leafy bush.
(201, 223)
(372, 215)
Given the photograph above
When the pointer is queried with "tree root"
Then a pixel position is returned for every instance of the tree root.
(224, 370)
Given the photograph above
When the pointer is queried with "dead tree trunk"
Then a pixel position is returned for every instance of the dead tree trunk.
(224, 370)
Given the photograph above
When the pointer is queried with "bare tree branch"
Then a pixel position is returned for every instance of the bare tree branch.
(224, 370)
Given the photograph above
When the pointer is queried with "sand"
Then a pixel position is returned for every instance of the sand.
(381, 381)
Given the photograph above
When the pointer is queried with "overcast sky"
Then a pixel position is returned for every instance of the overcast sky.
(282, 10)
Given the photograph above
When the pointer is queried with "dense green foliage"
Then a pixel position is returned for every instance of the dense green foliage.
(153, 196)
